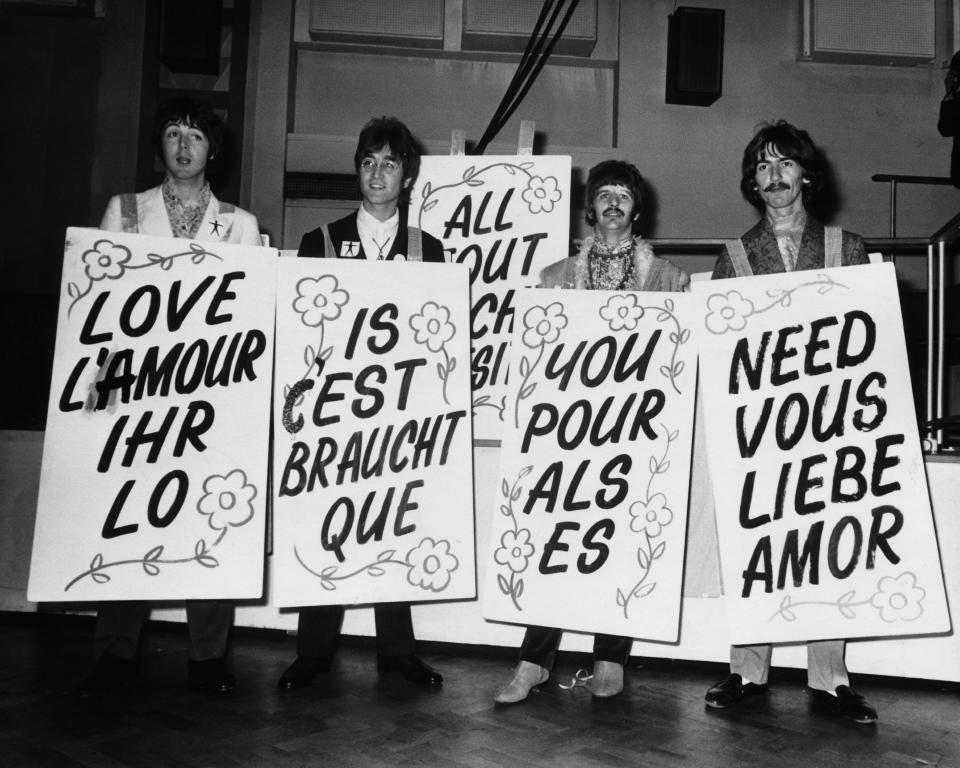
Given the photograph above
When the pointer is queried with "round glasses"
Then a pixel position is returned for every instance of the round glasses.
(369, 165)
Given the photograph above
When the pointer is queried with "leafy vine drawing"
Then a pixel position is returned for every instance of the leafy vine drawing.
(227, 502)
(730, 310)
(542, 327)
(649, 516)
(515, 548)
(623, 312)
(318, 300)
(896, 598)
(433, 329)
(541, 193)
(429, 565)
(111, 261)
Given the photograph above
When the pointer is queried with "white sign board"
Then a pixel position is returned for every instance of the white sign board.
(506, 218)
(153, 481)
(823, 512)
(373, 470)
(591, 505)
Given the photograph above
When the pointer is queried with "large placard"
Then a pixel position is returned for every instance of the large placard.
(823, 512)
(373, 470)
(153, 480)
(506, 218)
(591, 504)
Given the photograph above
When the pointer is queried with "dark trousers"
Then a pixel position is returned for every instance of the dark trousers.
(540, 647)
(208, 624)
(318, 630)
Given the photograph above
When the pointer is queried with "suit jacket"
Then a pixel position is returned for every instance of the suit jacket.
(663, 275)
(346, 241)
(763, 252)
(222, 222)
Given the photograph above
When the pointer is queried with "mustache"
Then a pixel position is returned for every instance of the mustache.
(612, 209)
(776, 186)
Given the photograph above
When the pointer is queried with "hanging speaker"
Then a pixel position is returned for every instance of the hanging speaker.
(695, 56)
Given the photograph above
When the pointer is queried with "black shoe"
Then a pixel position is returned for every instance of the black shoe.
(847, 703)
(411, 667)
(111, 673)
(301, 673)
(732, 691)
(211, 675)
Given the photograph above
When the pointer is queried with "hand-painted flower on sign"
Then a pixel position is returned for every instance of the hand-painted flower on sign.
(432, 326)
(105, 260)
(541, 194)
(728, 312)
(622, 312)
(319, 299)
(650, 515)
(227, 500)
(227, 503)
(515, 550)
(431, 564)
(898, 598)
(542, 325)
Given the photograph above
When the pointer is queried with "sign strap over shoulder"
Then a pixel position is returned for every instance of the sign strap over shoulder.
(414, 244)
(738, 258)
(832, 247)
(128, 213)
(328, 249)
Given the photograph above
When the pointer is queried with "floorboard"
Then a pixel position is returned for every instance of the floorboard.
(352, 717)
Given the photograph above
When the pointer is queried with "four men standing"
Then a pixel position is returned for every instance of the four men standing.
(781, 174)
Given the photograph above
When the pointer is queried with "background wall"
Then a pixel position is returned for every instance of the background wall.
(72, 87)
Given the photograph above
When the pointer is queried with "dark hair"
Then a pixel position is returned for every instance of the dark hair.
(380, 132)
(789, 141)
(193, 112)
(614, 172)
(955, 62)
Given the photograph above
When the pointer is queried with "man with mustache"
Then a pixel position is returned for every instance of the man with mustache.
(613, 258)
(782, 172)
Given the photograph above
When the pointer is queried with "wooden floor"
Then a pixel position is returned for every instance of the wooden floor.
(353, 718)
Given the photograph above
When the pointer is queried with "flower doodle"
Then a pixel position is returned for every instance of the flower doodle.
(542, 326)
(108, 260)
(541, 194)
(105, 260)
(897, 598)
(729, 311)
(227, 500)
(430, 566)
(515, 548)
(433, 329)
(319, 299)
(649, 516)
(622, 312)
(226, 503)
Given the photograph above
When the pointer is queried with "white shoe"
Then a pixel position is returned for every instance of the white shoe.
(607, 679)
(526, 676)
